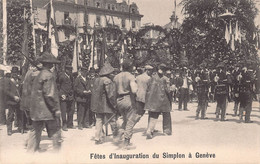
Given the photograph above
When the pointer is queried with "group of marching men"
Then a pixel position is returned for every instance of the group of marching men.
(45, 99)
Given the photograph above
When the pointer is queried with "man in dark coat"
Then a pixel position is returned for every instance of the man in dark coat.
(246, 94)
(2, 98)
(157, 101)
(66, 98)
(126, 88)
(91, 78)
(12, 98)
(103, 101)
(82, 96)
(45, 105)
(221, 92)
(236, 82)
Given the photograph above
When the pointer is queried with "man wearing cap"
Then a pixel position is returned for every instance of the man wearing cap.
(66, 97)
(126, 89)
(221, 92)
(142, 81)
(103, 101)
(12, 99)
(246, 94)
(157, 101)
(45, 105)
(82, 96)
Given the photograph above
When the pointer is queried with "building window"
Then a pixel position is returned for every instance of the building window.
(98, 20)
(66, 15)
(86, 2)
(108, 6)
(113, 7)
(133, 24)
(123, 23)
(133, 11)
(98, 4)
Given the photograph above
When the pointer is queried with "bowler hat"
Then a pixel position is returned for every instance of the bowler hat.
(147, 67)
(48, 58)
(106, 69)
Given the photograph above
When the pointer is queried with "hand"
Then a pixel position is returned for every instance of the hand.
(16, 98)
(57, 113)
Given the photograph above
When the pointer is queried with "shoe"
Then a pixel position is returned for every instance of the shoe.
(80, 127)
(127, 145)
(204, 118)
(149, 136)
(71, 127)
(217, 116)
(98, 142)
(222, 119)
(186, 109)
(180, 109)
(249, 121)
(64, 128)
(9, 133)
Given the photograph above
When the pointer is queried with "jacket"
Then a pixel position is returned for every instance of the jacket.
(103, 99)
(157, 95)
(80, 86)
(142, 81)
(11, 90)
(66, 86)
(45, 97)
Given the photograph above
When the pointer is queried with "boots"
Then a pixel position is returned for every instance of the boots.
(9, 128)
(57, 140)
(64, 127)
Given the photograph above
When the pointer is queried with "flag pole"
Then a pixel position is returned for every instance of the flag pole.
(4, 31)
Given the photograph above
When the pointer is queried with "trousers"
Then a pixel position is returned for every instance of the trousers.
(221, 106)
(67, 111)
(183, 98)
(53, 130)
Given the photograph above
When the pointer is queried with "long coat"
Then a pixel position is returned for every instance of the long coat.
(45, 97)
(103, 99)
(157, 96)
(80, 86)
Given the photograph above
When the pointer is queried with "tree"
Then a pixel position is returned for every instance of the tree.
(204, 30)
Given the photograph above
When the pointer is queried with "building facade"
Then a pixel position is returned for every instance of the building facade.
(90, 13)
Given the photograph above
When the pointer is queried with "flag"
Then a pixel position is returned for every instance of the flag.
(33, 31)
(239, 35)
(103, 50)
(79, 52)
(227, 35)
(121, 56)
(232, 43)
(91, 53)
(236, 31)
(24, 65)
(52, 31)
(75, 58)
(230, 28)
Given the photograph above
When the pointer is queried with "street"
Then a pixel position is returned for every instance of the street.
(196, 141)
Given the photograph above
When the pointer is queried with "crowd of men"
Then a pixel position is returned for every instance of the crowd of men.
(45, 99)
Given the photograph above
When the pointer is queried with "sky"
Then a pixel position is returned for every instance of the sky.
(158, 12)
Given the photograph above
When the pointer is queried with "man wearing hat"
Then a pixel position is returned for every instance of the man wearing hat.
(126, 89)
(142, 82)
(66, 97)
(246, 94)
(182, 83)
(103, 101)
(45, 105)
(12, 98)
(221, 91)
(157, 101)
(91, 78)
(82, 96)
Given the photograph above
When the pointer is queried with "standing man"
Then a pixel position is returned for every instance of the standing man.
(202, 82)
(91, 79)
(236, 77)
(45, 105)
(142, 82)
(158, 100)
(182, 84)
(221, 92)
(82, 95)
(2, 98)
(66, 98)
(246, 94)
(12, 99)
(103, 101)
(126, 89)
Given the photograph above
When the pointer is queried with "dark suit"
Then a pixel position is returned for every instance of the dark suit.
(11, 90)
(67, 104)
(83, 100)
(183, 93)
